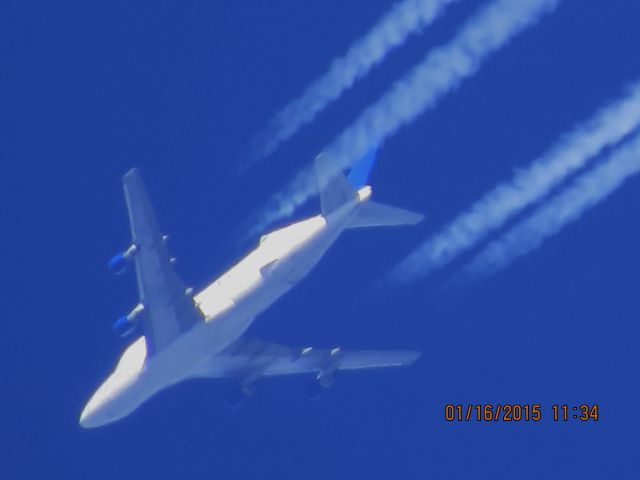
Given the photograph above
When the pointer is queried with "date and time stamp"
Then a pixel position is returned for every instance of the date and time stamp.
(516, 412)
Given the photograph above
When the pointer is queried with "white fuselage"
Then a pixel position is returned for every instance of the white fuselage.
(228, 305)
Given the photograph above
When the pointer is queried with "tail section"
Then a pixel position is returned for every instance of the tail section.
(359, 174)
(337, 190)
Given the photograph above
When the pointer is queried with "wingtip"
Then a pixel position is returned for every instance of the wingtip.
(132, 176)
(413, 356)
(135, 171)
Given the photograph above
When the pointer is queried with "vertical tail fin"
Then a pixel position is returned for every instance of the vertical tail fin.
(359, 174)
(336, 189)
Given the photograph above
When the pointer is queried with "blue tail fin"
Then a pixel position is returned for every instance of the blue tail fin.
(359, 174)
(334, 188)
(337, 190)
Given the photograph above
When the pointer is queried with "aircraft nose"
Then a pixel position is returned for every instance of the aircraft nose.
(85, 418)
(88, 417)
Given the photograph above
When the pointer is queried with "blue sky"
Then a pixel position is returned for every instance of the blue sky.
(179, 89)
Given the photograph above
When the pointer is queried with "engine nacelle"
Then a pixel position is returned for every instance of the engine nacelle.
(128, 324)
(119, 263)
(124, 327)
(327, 375)
(319, 385)
(239, 395)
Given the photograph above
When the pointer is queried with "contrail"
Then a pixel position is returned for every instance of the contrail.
(608, 127)
(588, 190)
(391, 31)
(441, 71)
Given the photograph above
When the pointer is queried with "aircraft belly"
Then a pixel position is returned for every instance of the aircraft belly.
(232, 310)
(230, 306)
(300, 261)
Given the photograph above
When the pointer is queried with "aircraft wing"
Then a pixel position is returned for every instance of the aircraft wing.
(168, 309)
(249, 359)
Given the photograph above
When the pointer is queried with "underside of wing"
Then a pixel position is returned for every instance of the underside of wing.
(250, 359)
(168, 309)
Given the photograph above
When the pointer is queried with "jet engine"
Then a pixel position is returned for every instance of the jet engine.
(325, 378)
(319, 385)
(128, 324)
(238, 395)
(123, 327)
(119, 263)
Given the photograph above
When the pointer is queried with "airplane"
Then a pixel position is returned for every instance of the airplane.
(185, 335)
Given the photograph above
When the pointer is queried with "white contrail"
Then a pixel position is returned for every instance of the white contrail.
(588, 189)
(608, 127)
(391, 31)
(440, 72)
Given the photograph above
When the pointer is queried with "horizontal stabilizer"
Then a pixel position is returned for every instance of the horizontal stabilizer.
(373, 214)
